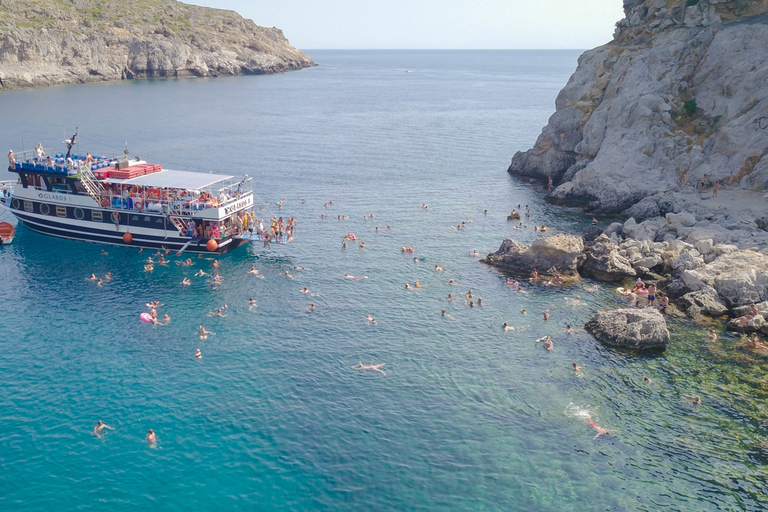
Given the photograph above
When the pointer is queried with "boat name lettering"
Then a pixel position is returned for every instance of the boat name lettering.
(54, 197)
(238, 205)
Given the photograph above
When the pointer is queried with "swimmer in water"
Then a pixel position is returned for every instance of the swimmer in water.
(507, 327)
(103, 252)
(166, 318)
(546, 315)
(92, 278)
(695, 400)
(362, 245)
(252, 302)
(474, 253)
(108, 276)
(198, 354)
(439, 268)
(151, 437)
(99, 282)
(305, 290)
(311, 307)
(568, 329)
(712, 335)
(648, 381)
(218, 313)
(600, 430)
(186, 281)
(288, 275)
(203, 333)
(451, 281)
(548, 344)
(577, 369)
(446, 315)
(408, 286)
(371, 320)
(98, 430)
(347, 276)
(375, 367)
(523, 312)
(343, 244)
(254, 271)
(200, 273)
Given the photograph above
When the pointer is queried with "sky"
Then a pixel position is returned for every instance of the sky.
(434, 24)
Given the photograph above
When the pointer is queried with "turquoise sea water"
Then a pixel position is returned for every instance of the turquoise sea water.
(274, 416)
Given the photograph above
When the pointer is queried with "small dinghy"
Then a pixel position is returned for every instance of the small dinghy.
(6, 233)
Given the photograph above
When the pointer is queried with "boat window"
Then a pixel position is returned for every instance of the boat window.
(147, 219)
(135, 217)
(79, 214)
(159, 220)
(44, 209)
(96, 216)
(29, 207)
(61, 211)
(15, 204)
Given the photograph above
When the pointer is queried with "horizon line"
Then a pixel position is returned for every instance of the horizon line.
(450, 49)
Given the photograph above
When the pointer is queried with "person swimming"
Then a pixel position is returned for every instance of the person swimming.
(507, 327)
(371, 320)
(92, 278)
(252, 302)
(305, 290)
(648, 381)
(198, 354)
(577, 369)
(166, 318)
(548, 343)
(151, 437)
(695, 400)
(446, 315)
(375, 367)
(98, 430)
(203, 333)
(546, 315)
(186, 281)
(568, 329)
(712, 335)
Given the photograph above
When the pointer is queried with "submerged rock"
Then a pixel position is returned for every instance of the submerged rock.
(640, 329)
(558, 254)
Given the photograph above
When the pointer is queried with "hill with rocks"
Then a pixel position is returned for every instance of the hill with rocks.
(49, 42)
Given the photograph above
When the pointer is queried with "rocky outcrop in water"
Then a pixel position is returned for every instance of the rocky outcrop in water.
(677, 97)
(553, 255)
(50, 42)
(639, 329)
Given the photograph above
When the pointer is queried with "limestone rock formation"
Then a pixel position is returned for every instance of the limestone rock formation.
(740, 278)
(559, 254)
(604, 262)
(639, 329)
(48, 42)
(678, 94)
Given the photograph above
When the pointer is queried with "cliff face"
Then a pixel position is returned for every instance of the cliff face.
(49, 42)
(679, 93)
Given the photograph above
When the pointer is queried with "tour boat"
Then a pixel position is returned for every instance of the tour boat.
(130, 203)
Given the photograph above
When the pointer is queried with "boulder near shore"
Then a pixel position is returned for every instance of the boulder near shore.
(638, 329)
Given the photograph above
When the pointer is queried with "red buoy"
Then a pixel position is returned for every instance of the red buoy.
(212, 245)
(127, 238)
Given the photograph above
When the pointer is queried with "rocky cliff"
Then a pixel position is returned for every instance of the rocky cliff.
(679, 93)
(47, 42)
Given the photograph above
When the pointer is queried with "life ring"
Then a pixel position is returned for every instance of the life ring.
(621, 290)
(138, 205)
(105, 202)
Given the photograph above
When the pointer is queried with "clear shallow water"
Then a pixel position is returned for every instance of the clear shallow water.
(273, 416)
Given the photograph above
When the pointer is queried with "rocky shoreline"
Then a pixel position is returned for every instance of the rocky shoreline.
(666, 126)
(705, 280)
(48, 42)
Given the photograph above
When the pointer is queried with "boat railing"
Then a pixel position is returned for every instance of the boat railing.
(6, 188)
(186, 205)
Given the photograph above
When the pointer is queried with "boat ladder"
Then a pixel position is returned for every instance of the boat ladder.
(180, 225)
(95, 189)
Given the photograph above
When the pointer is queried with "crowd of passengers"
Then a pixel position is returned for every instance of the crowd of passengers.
(134, 197)
(242, 223)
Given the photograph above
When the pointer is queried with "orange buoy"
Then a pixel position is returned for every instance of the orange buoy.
(212, 245)
(127, 238)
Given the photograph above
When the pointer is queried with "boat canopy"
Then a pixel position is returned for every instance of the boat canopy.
(173, 179)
